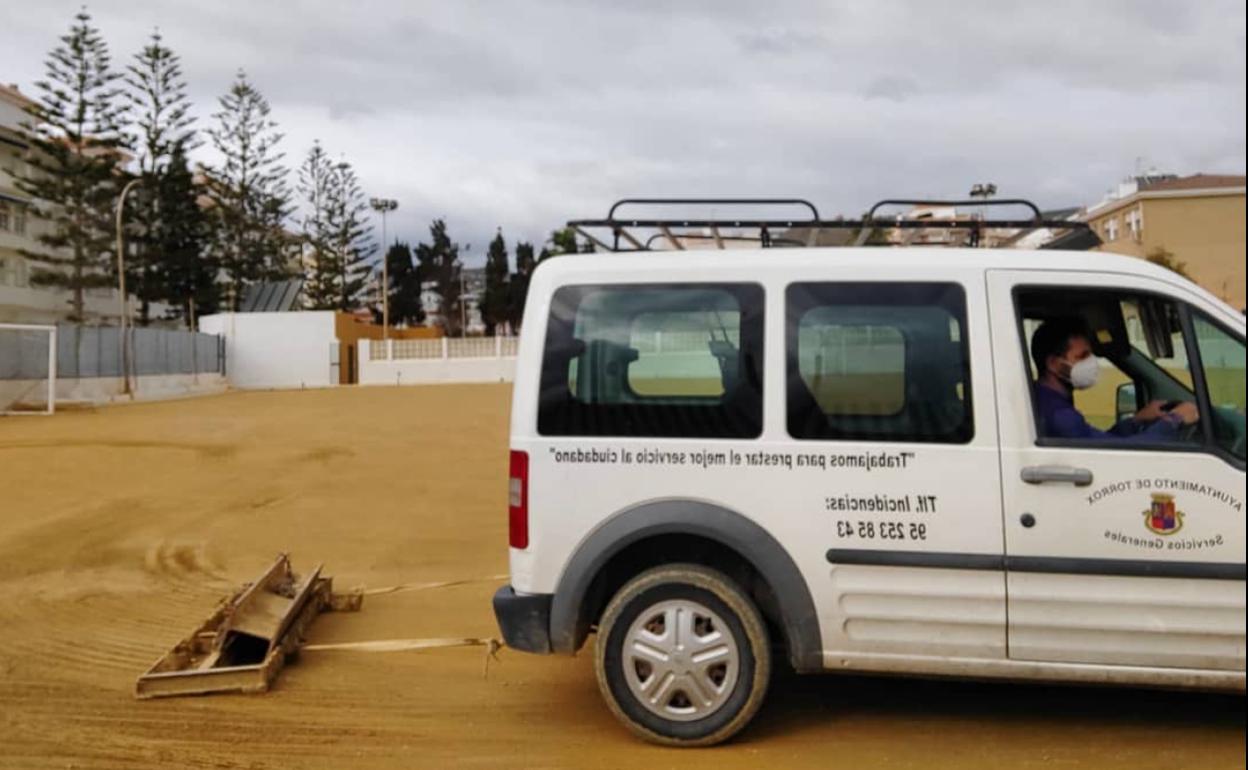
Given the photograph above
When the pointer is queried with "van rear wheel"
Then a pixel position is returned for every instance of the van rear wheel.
(682, 656)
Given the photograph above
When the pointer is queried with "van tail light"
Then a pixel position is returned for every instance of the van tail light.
(518, 500)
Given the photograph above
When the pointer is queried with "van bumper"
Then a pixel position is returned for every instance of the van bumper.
(524, 619)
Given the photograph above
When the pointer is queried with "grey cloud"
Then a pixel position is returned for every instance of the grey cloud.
(526, 114)
(779, 40)
(895, 89)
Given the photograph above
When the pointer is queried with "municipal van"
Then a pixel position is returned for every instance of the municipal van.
(956, 458)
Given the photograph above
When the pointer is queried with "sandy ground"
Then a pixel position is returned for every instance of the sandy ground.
(120, 528)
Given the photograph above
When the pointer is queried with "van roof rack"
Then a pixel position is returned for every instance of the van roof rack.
(629, 234)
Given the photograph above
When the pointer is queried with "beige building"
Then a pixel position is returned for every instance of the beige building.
(1198, 218)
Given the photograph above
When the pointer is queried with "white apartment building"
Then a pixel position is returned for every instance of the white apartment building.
(20, 302)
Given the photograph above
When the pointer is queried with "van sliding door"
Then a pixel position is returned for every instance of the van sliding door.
(889, 384)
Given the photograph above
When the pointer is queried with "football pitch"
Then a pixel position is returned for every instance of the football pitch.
(121, 528)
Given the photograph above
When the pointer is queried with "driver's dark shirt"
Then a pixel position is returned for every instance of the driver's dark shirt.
(1060, 419)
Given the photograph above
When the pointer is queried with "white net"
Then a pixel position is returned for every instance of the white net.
(27, 369)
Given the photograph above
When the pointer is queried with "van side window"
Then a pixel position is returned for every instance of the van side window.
(878, 361)
(1144, 364)
(1120, 324)
(671, 360)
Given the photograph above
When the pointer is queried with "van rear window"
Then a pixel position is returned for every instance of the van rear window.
(878, 361)
(660, 360)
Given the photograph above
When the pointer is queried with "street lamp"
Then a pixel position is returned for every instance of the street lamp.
(121, 286)
(983, 190)
(382, 206)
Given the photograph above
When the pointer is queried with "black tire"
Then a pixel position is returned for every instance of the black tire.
(716, 592)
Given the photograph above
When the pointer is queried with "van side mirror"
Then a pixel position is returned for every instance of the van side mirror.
(1125, 404)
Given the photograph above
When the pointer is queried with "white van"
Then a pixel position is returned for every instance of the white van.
(835, 456)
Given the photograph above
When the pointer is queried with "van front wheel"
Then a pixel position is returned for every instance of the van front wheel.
(682, 656)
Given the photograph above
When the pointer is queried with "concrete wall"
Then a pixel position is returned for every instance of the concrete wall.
(298, 350)
(146, 388)
(277, 350)
(31, 394)
(428, 371)
(353, 335)
(471, 359)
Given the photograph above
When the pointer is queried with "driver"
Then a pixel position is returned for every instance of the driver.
(1063, 356)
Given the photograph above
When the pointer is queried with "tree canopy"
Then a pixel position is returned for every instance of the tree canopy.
(438, 263)
(73, 171)
(495, 301)
(248, 190)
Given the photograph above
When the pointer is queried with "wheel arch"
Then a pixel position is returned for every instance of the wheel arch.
(635, 534)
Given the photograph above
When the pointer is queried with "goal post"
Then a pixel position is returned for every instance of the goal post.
(27, 369)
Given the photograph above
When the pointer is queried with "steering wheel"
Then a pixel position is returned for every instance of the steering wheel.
(1187, 431)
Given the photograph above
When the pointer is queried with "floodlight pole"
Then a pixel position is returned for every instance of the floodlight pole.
(121, 286)
(983, 190)
(382, 206)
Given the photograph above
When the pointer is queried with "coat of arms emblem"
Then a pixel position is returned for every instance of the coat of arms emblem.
(1162, 517)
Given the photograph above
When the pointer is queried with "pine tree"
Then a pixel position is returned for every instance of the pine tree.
(248, 191)
(525, 261)
(438, 262)
(350, 236)
(185, 274)
(563, 241)
(73, 165)
(494, 303)
(405, 305)
(279, 249)
(320, 272)
(518, 286)
(162, 126)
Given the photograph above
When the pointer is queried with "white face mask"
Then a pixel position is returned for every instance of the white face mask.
(1085, 373)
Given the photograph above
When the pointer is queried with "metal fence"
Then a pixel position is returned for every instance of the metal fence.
(95, 351)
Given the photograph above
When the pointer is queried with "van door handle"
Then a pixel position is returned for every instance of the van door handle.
(1061, 474)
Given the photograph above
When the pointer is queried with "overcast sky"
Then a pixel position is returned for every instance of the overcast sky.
(525, 114)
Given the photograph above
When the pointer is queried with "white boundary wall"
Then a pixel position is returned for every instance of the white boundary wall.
(277, 350)
(104, 390)
(417, 362)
